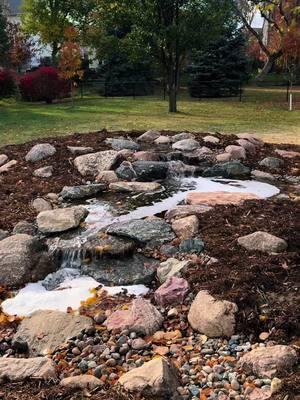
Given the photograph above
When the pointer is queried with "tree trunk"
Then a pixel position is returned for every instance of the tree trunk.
(172, 99)
(268, 66)
(54, 53)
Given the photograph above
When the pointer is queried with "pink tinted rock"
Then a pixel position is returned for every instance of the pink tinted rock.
(260, 394)
(218, 198)
(287, 154)
(182, 211)
(146, 156)
(236, 152)
(248, 146)
(125, 153)
(186, 227)
(251, 138)
(172, 292)
(3, 159)
(224, 157)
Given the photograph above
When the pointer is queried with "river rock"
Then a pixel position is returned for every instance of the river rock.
(61, 219)
(172, 292)
(251, 138)
(163, 140)
(151, 232)
(156, 379)
(236, 152)
(81, 382)
(44, 172)
(21, 369)
(267, 362)
(248, 146)
(120, 144)
(146, 156)
(186, 227)
(82, 191)
(286, 153)
(135, 187)
(185, 211)
(213, 318)
(26, 228)
(186, 145)
(172, 267)
(150, 170)
(262, 176)
(182, 136)
(149, 136)
(263, 241)
(107, 177)
(40, 152)
(45, 330)
(223, 157)
(142, 317)
(41, 204)
(124, 270)
(211, 139)
(219, 198)
(23, 259)
(273, 163)
(3, 159)
(80, 150)
(230, 170)
(94, 163)
(6, 167)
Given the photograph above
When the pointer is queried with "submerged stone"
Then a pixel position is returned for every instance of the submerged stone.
(230, 170)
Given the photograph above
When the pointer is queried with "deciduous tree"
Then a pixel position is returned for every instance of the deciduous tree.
(4, 42)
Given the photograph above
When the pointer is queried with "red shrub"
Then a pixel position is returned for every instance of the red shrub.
(7, 83)
(44, 84)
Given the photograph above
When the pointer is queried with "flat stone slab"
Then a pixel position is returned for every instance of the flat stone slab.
(61, 219)
(219, 198)
(82, 191)
(120, 144)
(135, 187)
(44, 331)
(94, 163)
(20, 369)
(185, 211)
(79, 150)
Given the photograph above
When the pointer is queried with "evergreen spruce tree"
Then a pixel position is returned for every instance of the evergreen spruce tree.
(220, 69)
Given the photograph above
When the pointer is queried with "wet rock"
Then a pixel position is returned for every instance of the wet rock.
(120, 144)
(44, 331)
(150, 170)
(185, 211)
(218, 198)
(211, 139)
(82, 192)
(61, 220)
(44, 172)
(248, 146)
(266, 362)
(107, 177)
(186, 145)
(236, 152)
(182, 136)
(273, 163)
(286, 153)
(21, 369)
(149, 136)
(3, 234)
(6, 167)
(40, 152)
(127, 270)
(186, 227)
(262, 176)
(172, 292)
(212, 317)
(26, 228)
(102, 244)
(80, 150)
(172, 267)
(126, 171)
(156, 378)
(146, 156)
(81, 382)
(135, 187)
(23, 259)
(230, 170)
(3, 159)
(151, 232)
(191, 246)
(263, 241)
(94, 163)
(163, 140)
(142, 317)
(52, 281)
(41, 204)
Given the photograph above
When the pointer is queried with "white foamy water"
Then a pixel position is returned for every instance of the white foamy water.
(70, 293)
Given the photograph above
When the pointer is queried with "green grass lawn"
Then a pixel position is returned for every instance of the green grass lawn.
(262, 111)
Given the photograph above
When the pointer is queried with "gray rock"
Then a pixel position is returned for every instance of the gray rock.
(125, 171)
(81, 382)
(150, 170)
(182, 136)
(3, 234)
(120, 144)
(186, 145)
(135, 187)
(23, 259)
(82, 191)
(61, 220)
(52, 281)
(6, 167)
(45, 330)
(79, 150)
(149, 136)
(102, 244)
(152, 232)
(26, 228)
(40, 205)
(22, 369)
(273, 163)
(191, 246)
(263, 241)
(3, 159)
(211, 139)
(40, 152)
(230, 170)
(44, 172)
(172, 267)
(262, 176)
(94, 163)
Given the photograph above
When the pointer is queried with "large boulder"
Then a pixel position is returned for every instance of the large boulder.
(142, 317)
(156, 379)
(82, 191)
(23, 259)
(247, 145)
(236, 152)
(230, 170)
(149, 136)
(263, 241)
(182, 136)
(135, 187)
(151, 232)
(272, 163)
(214, 318)
(182, 211)
(172, 267)
(218, 198)
(120, 144)
(146, 156)
(40, 152)
(61, 220)
(21, 369)
(186, 227)
(172, 292)
(44, 331)
(150, 170)
(267, 362)
(94, 163)
(186, 145)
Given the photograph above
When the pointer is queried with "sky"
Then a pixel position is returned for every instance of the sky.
(257, 21)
